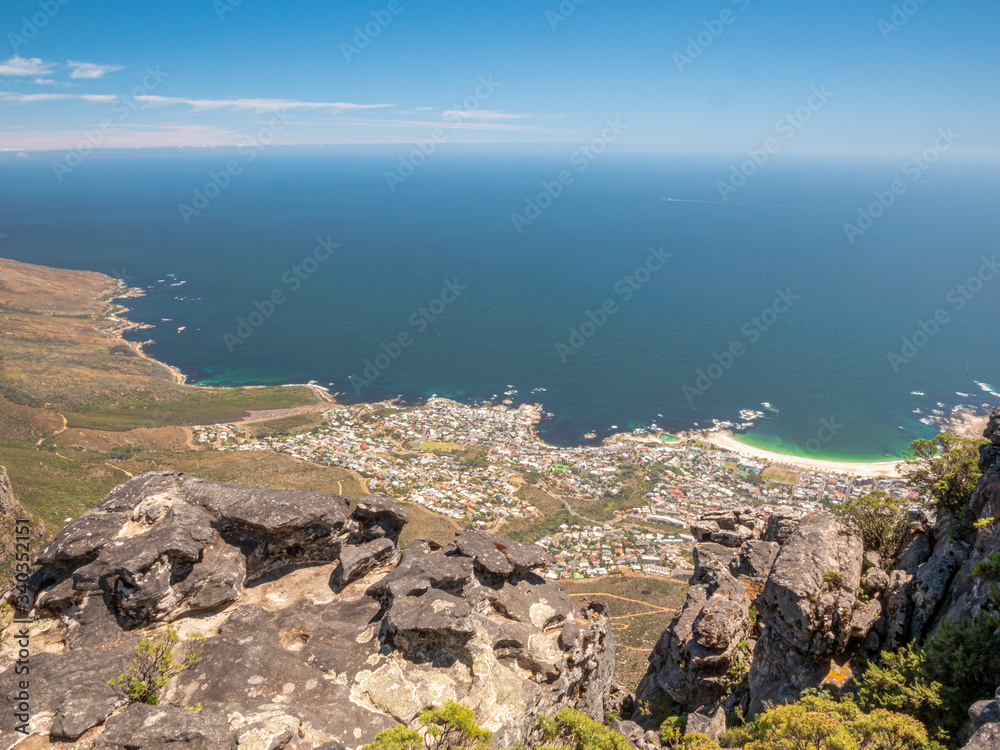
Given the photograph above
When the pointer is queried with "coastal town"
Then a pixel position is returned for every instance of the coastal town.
(474, 464)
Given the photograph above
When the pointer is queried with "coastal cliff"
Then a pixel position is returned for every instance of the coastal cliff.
(776, 609)
(318, 630)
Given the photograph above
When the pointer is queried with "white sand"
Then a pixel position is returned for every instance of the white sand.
(725, 439)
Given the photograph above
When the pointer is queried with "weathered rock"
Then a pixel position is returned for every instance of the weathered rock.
(629, 730)
(493, 556)
(692, 659)
(864, 618)
(985, 738)
(143, 727)
(875, 581)
(713, 726)
(931, 583)
(729, 528)
(755, 560)
(812, 588)
(357, 561)
(780, 527)
(335, 617)
(872, 560)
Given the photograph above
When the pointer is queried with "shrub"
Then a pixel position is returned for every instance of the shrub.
(833, 578)
(153, 665)
(819, 723)
(697, 741)
(965, 657)
(396, 738)
(583, 733)
(452, 725)
(672, 730)
(988, 568)
(878, 517)
(936, 685)
(946, 468)
(901, 683)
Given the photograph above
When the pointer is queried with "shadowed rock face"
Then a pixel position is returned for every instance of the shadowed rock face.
(803, 578)
(319, 631)
(800, 575)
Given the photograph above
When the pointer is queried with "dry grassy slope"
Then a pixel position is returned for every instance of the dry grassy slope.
(61, 348)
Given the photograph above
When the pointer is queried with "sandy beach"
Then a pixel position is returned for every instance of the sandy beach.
(725, 439)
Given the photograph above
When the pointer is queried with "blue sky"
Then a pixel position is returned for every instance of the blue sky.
(224, 69)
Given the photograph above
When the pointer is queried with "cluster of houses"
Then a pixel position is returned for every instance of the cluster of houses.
(470, 462)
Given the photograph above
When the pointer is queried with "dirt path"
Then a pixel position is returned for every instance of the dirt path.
(57, 432)
(654, 611)
(119, 468)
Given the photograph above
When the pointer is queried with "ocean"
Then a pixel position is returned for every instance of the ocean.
(619, 292)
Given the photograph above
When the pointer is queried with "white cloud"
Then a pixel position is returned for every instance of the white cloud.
(198, 105)
(10, 96)
(90, 70)
(255, 105)
(480, 114)
(25, 66)
(165, 136)
(44, 81)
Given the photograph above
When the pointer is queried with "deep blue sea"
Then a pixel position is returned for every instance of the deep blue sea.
(439, 263)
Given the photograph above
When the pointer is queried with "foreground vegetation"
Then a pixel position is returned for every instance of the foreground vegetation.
(816, 722)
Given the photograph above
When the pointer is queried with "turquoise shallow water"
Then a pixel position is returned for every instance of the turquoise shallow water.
(530, 308)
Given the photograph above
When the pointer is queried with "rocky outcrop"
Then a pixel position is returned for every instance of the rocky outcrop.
(822, 600)
(772, 609)
(319, 630)
(712, 635)
(984, 719)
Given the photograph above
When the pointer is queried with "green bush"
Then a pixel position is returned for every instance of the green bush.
(833, 578)
(901, 683)
(936, 685)
(946, 468)
(446, 727)
(396, 738)
(878, 517)
(579, 731)
(988, 568)
(965, 657)
(818, 723)
(153, 665)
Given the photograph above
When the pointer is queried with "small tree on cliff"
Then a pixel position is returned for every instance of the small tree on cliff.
(445, 728)
(880, 520)
(153, 665)
(946, 468)
(819, 723)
